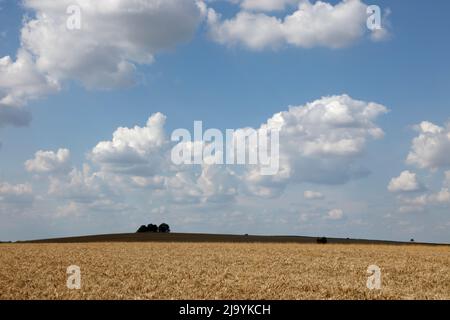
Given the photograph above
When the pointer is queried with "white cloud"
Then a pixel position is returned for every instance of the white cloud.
(141, 157)
(406, 182)
(431, 149)
(208, 184)
(311, 25)
(18, 193)
(311, 195)
(115, 36)
(81, 186)
(319, 142)
(7, 189)
(20, 81)
(266, 5)
(76, 191)
(440, 197)
(138, 151)
(325, 137)
(335, 214)
(15, 199)
(420, 203)
(49, 162)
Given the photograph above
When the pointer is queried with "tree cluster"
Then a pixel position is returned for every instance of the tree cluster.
(163, 228)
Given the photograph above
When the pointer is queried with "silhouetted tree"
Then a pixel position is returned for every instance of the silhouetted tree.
(164, 228)
(322, 240)
(142, 229)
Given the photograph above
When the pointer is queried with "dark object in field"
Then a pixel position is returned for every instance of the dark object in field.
(164, 228)
(322, 240)
(412, 240)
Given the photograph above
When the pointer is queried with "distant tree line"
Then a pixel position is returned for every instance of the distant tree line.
(163, 228)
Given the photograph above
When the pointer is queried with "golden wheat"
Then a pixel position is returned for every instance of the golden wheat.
(223, 271)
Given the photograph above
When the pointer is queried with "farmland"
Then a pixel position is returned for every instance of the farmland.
(223, 270)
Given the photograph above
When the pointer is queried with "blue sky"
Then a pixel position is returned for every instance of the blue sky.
(226, 84)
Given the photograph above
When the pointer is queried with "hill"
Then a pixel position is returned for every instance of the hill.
(199, 237)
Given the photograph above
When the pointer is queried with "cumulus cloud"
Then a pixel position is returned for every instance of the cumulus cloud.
(208, 184)
(18, 193)
(312, 25)
(406, 182)
(15, 199)
(20, 81)
(312, 195)
(138, 151)
(49, 162)
(82, 186)
(266, 5)
(335, 214)
(142, 156)
(115, 37)
(325, 137)
(420, 203)
(440, 197)
(319, 142)
(77, 191)
(431, 149)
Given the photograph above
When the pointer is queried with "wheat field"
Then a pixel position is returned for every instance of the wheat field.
(223, 271)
